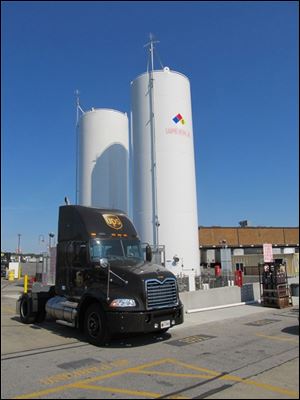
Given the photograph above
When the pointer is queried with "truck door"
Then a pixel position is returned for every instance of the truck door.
(77, 271)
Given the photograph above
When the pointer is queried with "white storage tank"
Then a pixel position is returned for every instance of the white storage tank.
(170, 192)
(103, 159)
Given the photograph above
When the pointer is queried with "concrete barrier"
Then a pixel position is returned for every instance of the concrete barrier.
(224, 296)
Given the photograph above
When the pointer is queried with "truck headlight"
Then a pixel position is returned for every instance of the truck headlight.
(123, 303)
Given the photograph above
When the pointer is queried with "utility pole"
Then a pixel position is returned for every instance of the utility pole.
(19, 243)
(78, 108)
(155, 219)
(51, 235)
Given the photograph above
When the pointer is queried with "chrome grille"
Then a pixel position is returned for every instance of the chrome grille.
(161, 294)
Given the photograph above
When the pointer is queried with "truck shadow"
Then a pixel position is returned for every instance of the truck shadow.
(292, 330)
(137, 340)
(53, 327)
(117, 341)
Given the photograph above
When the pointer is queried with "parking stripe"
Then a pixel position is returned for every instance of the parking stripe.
(234, 378)
(278, 338)
(268, 387)
(271, 388)
(137, 393)
(44, 392)
(193, 367)
(85, 383)
(175, 374)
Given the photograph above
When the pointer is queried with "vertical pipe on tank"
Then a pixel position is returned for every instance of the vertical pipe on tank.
(76, 144)
(155, 219)
(153, 154)
(78, 108)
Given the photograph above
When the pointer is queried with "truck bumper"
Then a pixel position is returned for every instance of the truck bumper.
(151, 321)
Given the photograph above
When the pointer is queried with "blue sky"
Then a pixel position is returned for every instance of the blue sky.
(243, 64)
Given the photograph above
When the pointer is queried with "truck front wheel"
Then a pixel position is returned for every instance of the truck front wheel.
(26, 314)
(95, 327)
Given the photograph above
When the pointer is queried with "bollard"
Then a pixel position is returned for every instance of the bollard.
(11, 275)
(19, 272)
(218, 270)
(25, 283)
(238, 278)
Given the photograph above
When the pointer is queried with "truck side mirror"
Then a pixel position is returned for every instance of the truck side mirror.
(148, 253)
(104, 263)
(101, 263)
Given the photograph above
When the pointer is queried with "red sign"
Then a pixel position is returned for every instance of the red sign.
(268, 252)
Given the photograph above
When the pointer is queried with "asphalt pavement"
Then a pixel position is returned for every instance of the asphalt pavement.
(246, 351)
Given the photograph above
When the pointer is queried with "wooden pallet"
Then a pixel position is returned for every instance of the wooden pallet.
(281, 302)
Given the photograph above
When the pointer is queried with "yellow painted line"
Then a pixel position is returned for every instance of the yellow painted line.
(44, 392)
(278, 338)
(117, 390)
(234, 378)
(272, 388)
(40, 393)
(123, 391)
(58, 378)
(193, 367)
(139, 368)
(174, 374)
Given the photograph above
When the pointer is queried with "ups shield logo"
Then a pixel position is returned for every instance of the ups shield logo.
(113, 221)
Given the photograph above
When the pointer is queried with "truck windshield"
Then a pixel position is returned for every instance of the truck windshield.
(116, 249)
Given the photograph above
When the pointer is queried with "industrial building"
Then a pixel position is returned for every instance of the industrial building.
(246, 246)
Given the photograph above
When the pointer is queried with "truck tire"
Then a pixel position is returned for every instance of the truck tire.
(95, 327)
(26, 314)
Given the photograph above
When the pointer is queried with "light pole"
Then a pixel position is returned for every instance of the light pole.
(19, 243)
(225, 257)
(51, 235)
(41, 242)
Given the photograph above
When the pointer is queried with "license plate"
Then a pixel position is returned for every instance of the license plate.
(165, 324)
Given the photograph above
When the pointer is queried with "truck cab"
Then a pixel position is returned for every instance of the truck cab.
(104, 284)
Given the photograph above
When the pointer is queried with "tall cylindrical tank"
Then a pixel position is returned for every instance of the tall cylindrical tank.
(103, 157)
(164, 167)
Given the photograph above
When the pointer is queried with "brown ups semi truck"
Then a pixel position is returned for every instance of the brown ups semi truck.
(103, 284)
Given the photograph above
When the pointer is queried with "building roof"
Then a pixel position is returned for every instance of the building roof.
(248, 236)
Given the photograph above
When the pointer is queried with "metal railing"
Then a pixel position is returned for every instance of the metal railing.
(210, 281)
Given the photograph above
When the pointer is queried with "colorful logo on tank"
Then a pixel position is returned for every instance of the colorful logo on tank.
(113, 221)
(179, 118)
